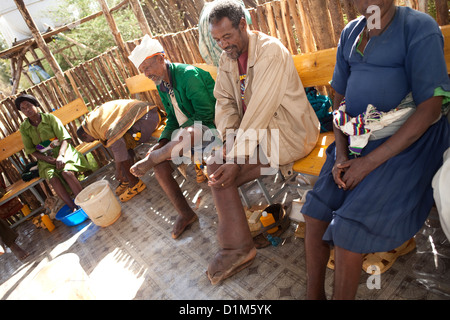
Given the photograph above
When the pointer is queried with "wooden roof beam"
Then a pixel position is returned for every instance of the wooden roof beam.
(8, 53)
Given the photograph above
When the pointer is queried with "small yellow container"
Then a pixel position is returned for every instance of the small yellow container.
(266, 220)
(26, 210)
(48, 222)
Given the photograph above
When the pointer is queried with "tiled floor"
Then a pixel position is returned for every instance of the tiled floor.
(136, 258)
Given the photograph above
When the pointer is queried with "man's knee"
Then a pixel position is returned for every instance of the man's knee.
(315, 225)
(195, 134)
(67, 174)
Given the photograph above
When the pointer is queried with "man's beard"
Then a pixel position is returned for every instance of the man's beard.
(233, 54)
(157, 81)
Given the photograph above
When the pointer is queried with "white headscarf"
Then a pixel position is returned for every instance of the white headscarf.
(148, 48)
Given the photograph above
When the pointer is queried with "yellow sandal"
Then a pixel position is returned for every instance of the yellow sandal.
(380, 262)
(132, 191)
(200, 174)
(121, 188)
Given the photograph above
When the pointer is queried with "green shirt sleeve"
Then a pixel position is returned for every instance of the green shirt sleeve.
(440, 92)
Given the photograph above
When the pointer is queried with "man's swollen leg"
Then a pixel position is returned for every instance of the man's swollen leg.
(237, 250)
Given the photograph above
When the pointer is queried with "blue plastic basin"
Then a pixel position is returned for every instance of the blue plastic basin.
(70, 218)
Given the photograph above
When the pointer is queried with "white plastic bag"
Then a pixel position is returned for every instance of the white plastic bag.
(441, 193)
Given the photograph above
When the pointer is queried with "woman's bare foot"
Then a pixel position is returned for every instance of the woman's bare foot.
(181, 224)
(141, 167)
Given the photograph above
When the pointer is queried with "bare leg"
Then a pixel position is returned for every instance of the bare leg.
(62, 192)
(183, 142)
(125, 167)
(317, 254)
(186, 215)
(237, 249)
(347, 273)
(73, 182)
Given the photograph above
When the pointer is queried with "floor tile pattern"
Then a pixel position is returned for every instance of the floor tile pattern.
(136, 258)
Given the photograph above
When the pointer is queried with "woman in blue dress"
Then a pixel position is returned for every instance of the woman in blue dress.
(376, 196)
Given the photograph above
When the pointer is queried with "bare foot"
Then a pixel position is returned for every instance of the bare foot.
(141, 167)
(181, 224)
(228, 262)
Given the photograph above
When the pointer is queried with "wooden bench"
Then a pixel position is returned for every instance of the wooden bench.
(138, 84)
(315, 69)
(13, 144)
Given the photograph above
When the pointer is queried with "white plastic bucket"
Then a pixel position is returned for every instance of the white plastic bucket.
(99, 203)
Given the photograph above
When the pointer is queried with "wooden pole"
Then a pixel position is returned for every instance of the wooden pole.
(349, 9)
(442, 17)
(423, 5)
(320, 21)
(115, 31)
(83, 46)
(17, 74)
(139, 13)
(157, 23)
(43, 46)
(336, 18)
(306, 31)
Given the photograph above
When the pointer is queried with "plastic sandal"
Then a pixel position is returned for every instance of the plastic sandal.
(241, 263)
(330, 263)
(200, 175)
(121, 188)
(132, 191)
(382, 261)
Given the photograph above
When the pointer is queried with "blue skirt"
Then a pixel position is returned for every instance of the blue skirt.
(390, 205)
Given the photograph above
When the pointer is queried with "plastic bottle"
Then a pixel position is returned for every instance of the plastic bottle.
(266, 220)
(48, 222)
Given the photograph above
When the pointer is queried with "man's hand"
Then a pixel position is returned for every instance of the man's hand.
(224, 176)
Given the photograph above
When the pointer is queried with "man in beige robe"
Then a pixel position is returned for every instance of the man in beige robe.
(259, 94)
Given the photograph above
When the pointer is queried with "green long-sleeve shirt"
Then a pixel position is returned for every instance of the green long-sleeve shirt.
(193, 89)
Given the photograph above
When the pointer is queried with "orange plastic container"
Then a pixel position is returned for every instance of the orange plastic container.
(266, 220)
(48, 222)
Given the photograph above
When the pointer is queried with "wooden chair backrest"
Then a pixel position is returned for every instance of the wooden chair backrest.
(314, 68)
(139, 83)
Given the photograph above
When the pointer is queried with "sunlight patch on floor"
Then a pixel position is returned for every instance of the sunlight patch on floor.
(114, 278)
